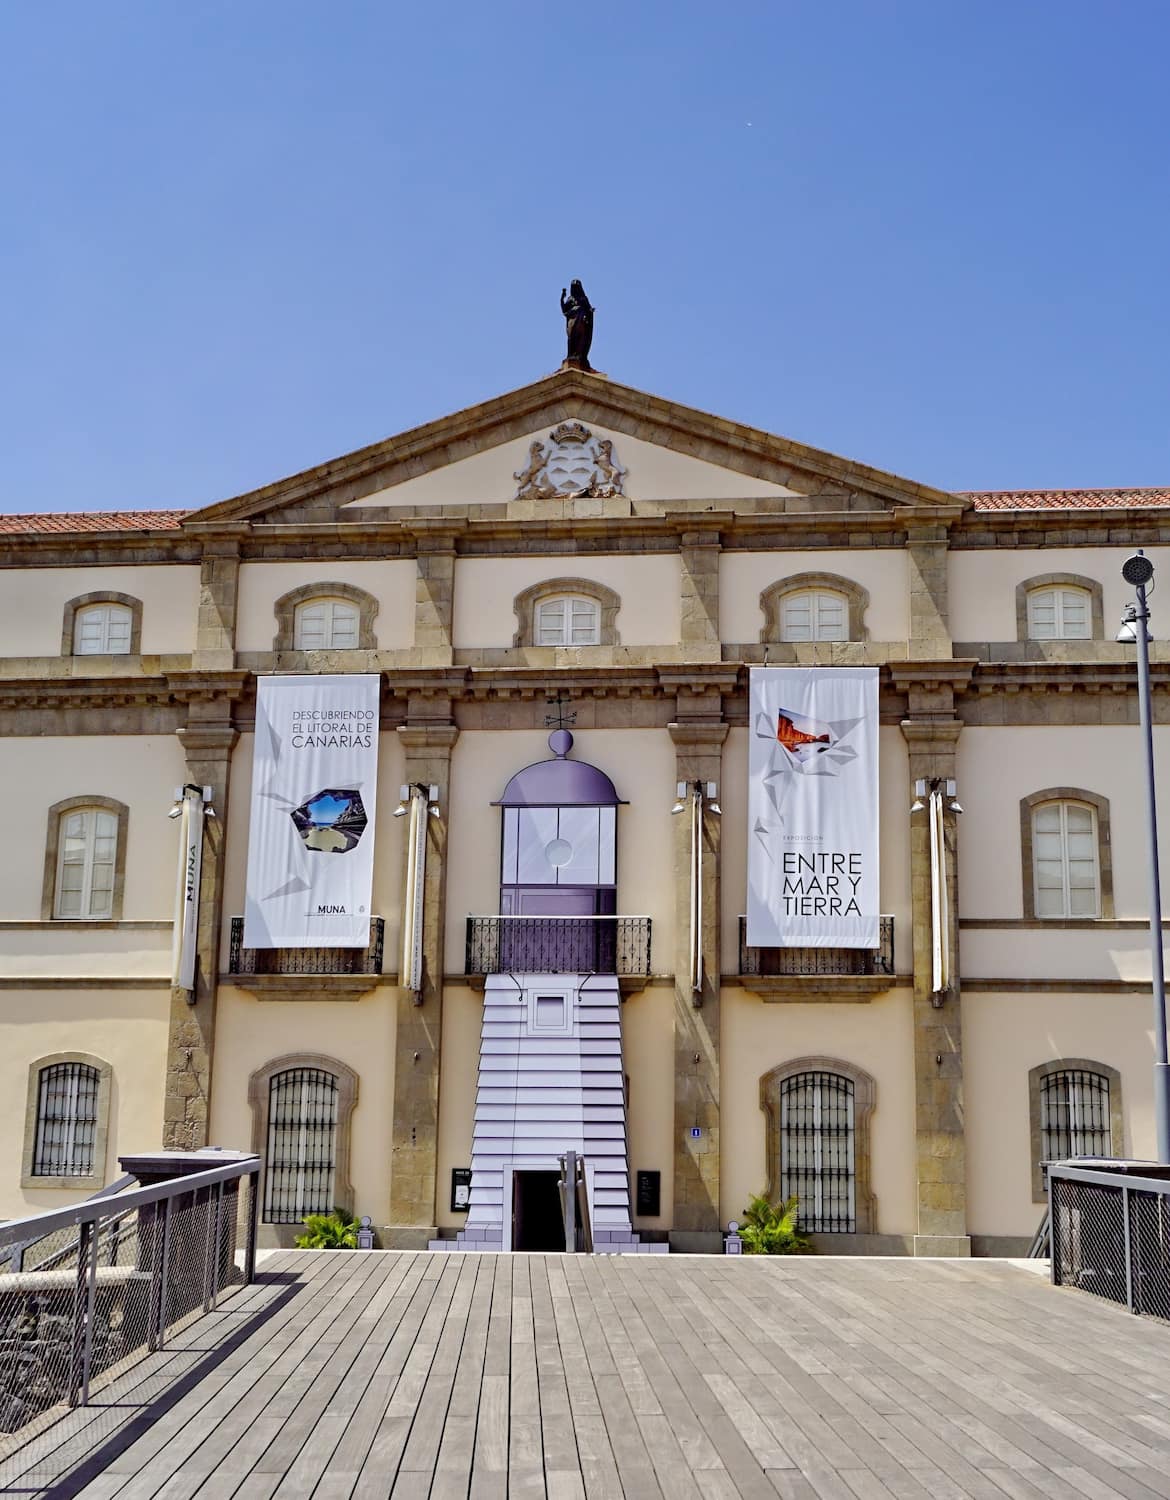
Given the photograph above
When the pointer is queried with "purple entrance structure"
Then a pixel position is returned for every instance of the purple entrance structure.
(550, 1063)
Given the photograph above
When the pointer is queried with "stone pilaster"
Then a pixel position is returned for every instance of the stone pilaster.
(434, 599)
(415, 1139)
(208, 745)
(219, 582)
(932, 731)
(699, 552)
(698, 738)
(927, 540)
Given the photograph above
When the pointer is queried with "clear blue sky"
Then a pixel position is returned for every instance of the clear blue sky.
(239, 239)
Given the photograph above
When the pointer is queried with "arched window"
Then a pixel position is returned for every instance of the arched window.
(814, 607)
(818, 1159)
(1060, 607)
(568, 620)
(301, 1108)
(1065, 871)
(566, 612)
(818, 1113)
(102, 624)
(814, 615)
(67, 1121)
(325, 625)
(325, 616)
(1059, 614)
(1075, 1110)
(87, 863)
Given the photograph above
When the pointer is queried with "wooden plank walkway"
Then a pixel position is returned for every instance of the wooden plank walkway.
(361, 1375)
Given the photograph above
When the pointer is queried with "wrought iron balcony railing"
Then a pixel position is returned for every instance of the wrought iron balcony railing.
(243, 960)
(558, 945)
(768, 962)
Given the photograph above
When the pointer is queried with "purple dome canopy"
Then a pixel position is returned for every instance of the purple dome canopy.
(559, 782)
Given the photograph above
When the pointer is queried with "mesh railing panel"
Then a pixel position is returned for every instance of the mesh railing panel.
(1113, 1241)
(82, 1307)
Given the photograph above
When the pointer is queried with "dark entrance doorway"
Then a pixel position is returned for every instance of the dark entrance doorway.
(536, 1211)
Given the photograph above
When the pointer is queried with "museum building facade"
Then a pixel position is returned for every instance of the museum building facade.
(559, 595)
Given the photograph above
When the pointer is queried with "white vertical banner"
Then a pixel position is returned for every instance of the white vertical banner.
(813, 808)
(311, 834)
(187, 895)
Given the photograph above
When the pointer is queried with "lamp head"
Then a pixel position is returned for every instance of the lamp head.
(1137, 569)
(176, 811)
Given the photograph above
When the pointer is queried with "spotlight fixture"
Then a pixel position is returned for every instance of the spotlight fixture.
(680, 797)
(403, 798)
(713, 799)
(917, 805)
(176, 811)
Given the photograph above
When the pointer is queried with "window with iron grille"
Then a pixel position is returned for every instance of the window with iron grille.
(67, 1117)
(302, 1143)
(1074, 1115)
(818, 1150)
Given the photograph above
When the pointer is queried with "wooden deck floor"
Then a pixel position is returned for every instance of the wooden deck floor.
(352, 1376)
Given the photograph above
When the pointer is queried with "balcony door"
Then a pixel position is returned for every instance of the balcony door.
(557, 862)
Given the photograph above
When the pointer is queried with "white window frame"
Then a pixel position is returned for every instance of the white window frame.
(331, 604)
(579, 615)
(818, 628)
(1066, 912)
(88, 861)
(106, 616)
(1057, 595)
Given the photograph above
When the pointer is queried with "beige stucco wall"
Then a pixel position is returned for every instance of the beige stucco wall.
(141, 771)
(33, 600)
(999, 766)
(648, 1055)
(485, 588)
(893, 834)
(642, 765)
(459, 1075)
(744, 575)
(391, 582)
(389, 849)
(653, 474)
(982, 585)
(756, 1037)
(125, 1028)
(359, 1033)
(1004, 1036)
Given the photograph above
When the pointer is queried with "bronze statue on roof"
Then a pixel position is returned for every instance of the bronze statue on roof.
(578, 311)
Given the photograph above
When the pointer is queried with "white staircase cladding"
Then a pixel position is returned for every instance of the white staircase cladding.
(550, 1081)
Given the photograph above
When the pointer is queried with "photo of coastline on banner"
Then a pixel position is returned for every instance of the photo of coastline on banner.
(813, 808)
(311, 835)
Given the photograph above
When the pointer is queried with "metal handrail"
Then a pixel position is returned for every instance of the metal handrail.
(36, 1226)
(522, 916)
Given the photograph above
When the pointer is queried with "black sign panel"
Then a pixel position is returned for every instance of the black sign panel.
(649, 1194)
(460, 1189)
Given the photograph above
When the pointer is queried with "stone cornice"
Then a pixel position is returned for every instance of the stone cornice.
(932, 675)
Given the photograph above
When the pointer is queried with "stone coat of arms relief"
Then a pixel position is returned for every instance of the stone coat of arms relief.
(573, 464)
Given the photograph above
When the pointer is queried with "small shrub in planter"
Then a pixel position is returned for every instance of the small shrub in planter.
(771, 1229)
(335, 1231)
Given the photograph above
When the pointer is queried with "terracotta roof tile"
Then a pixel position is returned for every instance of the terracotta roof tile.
(92, 520)
(1069, 499)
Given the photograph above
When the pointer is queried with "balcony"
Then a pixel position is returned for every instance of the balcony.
(559, 945)
(819, 974)
(305, 973)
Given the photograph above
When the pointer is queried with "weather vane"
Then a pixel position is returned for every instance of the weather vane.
(560, 719)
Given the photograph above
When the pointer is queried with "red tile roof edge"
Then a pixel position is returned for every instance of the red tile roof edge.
(79, 522)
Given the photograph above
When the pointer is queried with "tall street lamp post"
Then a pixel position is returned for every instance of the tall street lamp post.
(1138, 570)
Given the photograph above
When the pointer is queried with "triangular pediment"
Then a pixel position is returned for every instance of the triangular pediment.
(573, 433)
